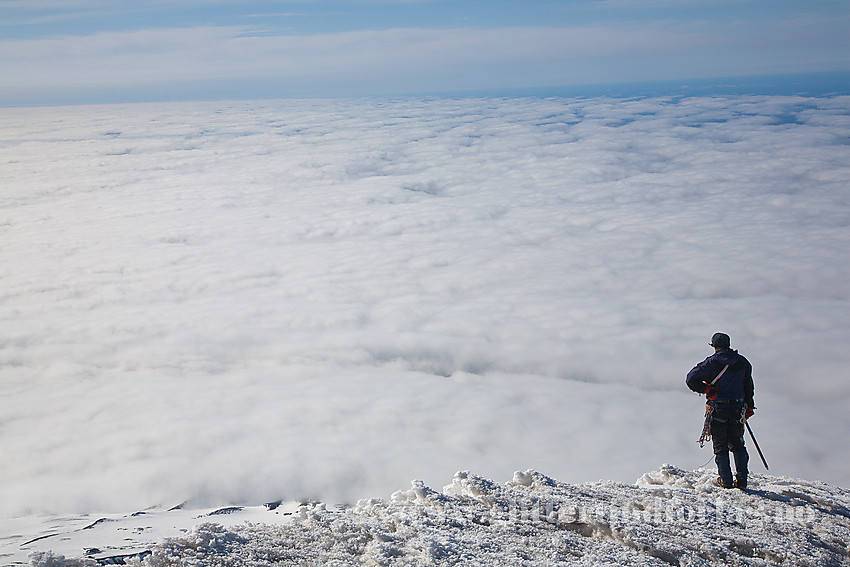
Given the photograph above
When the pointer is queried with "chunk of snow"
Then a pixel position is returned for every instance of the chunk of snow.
(669, 517)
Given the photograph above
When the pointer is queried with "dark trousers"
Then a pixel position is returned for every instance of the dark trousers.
(727, 435)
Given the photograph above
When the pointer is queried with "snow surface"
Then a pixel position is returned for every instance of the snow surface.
(669, 517)
(235, 303)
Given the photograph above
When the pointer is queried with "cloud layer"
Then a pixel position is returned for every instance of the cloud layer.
(328, 298)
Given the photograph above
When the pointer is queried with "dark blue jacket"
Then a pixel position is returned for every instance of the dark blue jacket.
(735, 384)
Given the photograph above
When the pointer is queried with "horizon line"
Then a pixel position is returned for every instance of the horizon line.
(810, 84)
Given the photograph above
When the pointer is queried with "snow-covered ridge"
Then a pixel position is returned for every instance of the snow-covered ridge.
(668, 517)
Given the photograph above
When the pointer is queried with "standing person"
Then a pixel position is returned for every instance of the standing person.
(726, 379)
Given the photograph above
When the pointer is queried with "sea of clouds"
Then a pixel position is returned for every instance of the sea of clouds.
(242, 302)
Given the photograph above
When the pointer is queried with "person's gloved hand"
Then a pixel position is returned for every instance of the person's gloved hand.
(749, 412)
(711, 392)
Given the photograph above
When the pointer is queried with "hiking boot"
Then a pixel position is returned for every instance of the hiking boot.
(725, 483)
(741, 481)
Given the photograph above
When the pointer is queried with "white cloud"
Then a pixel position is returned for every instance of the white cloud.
(326, 298)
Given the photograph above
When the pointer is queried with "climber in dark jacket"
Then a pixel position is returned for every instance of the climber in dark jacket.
(726, 379)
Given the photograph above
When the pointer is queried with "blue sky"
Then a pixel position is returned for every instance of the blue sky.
(101, 50)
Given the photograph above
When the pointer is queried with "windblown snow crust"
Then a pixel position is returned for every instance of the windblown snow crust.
(669, 517)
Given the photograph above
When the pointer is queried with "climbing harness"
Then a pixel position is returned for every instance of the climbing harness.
(709, 409)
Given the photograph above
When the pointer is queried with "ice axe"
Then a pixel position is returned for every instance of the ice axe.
(756, 443)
